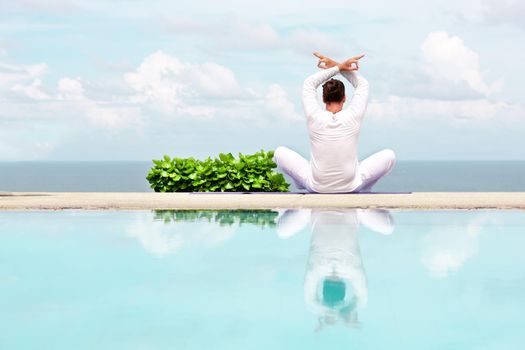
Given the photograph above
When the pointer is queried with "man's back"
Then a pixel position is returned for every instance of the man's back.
(334, 136)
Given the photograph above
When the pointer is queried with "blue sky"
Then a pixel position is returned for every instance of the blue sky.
(133, 80)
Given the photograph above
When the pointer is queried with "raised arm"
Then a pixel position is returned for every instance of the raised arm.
(310, 103)
(357, 106)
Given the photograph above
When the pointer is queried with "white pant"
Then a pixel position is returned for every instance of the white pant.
(370, 169)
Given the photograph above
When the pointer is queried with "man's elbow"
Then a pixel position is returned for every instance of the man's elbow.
(309, 88)
(363, 85)
(308, 84)
(363, 81)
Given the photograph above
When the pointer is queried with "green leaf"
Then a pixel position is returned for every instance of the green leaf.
(226, 157)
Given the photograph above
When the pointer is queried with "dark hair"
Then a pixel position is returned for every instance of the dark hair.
(333, 91)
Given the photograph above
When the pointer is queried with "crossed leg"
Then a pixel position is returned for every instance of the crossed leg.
(293, 165)
(373, 168)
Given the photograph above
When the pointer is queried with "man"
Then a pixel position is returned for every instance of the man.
(334, 133)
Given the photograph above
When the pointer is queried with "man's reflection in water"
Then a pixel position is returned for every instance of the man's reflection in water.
(335, 285)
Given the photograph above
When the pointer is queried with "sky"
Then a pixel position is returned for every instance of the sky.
(136, 79)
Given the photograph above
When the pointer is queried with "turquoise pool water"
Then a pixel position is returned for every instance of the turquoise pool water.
(262, 280)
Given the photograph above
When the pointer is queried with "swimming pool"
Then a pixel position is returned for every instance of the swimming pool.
(286, 279)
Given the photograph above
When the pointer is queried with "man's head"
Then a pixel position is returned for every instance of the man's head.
(333, 91)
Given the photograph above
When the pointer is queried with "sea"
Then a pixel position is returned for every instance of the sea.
(130, 176)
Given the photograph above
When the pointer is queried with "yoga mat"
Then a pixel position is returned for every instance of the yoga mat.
(284, 193)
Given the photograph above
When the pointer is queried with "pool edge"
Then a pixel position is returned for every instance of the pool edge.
(149, 200)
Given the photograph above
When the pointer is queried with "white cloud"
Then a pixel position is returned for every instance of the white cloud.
(494, 12)
(99, 113)
(447, 59)
(213, 80)
(207, 90)
(13, 147)
(165, 83)
(306, 41)
(25, 82)
(24, 79)
(11, 74)
(34, 91)
(505, 12)
(452, 87)
(70, 89)
(228, 32)
(154, 82)
(395, 107)
(161, 83)
(276, 102)
(235, 32)
(183, 25)
(3, 50)
(39, 117)
(46, 5)
(252, 35)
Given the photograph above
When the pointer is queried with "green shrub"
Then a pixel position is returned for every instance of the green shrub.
(253, 173)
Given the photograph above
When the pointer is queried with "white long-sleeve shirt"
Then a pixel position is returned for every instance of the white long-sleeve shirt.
(334, 136)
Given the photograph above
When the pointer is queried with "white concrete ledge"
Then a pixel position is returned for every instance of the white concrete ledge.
(149, 200)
